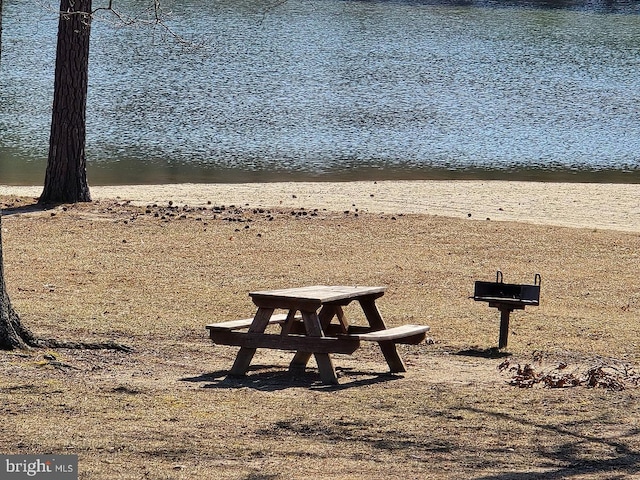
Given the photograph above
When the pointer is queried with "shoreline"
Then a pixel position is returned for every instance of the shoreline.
(576, 205)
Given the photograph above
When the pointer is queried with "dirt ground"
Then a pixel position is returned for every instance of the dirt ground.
(561, 401)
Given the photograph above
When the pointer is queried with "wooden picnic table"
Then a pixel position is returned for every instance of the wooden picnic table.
(308, 328)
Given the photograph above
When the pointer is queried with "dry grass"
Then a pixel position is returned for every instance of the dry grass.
(167, 411)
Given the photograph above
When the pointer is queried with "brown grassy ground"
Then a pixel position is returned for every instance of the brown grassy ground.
(153, 277)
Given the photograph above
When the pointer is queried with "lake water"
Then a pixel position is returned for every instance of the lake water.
(337, 90)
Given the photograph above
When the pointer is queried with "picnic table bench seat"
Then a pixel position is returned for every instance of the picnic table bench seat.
(411, 334)
(333, 343)
(408, 334)
(279, 318)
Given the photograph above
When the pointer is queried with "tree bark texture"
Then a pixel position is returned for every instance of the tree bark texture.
(12, 333)
(66, 176)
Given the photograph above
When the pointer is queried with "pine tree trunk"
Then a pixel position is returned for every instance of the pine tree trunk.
(12, 333)
(66, 176)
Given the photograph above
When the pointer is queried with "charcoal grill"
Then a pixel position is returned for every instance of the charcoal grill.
(507, 297)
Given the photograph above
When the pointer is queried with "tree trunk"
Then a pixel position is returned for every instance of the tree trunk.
(66, 176)
(12, 333)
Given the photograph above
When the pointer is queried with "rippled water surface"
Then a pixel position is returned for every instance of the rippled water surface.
(336, 90)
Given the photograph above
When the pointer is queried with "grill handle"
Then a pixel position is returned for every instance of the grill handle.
(537, 279)
(498, 276)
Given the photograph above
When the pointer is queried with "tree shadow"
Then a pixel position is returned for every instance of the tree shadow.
(355, 431)
(624, 464)
(491, 353)
(29, 208)
(274, 380)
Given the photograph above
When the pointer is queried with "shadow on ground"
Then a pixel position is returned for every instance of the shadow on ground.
(568, 459)
(273, 380)
(28, 208)
(492, 352)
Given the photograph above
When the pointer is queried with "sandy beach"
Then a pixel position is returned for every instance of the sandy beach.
(580, 205)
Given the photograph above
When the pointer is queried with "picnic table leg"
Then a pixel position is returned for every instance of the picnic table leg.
(344, 323)
(245, 355)
(325, 364)
(286, 328)
(376, 322)
(300, 359)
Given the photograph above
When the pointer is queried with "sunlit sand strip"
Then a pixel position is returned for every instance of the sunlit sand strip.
(581, 205)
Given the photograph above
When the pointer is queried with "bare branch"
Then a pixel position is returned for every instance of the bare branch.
(154, 17)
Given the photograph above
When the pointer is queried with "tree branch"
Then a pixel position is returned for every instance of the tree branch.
(155, 18)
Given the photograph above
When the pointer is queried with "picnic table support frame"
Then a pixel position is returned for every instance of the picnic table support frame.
(315, 324)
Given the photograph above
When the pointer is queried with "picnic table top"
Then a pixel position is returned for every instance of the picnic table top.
(319, 293)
